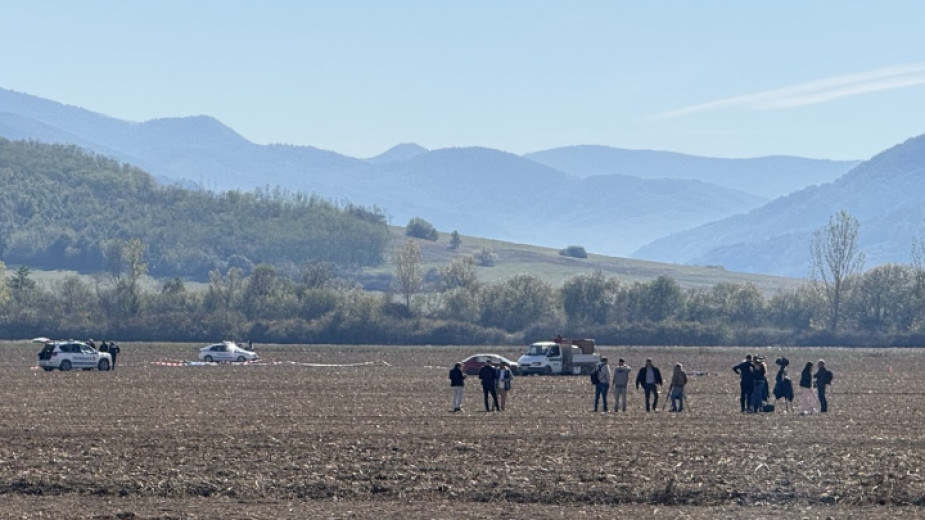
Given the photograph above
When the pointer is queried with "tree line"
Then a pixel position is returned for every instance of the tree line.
(881, 306)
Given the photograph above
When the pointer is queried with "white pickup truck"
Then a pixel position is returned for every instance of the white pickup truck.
(559, 357)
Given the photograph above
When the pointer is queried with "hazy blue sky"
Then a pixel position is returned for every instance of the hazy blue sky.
(828, 79)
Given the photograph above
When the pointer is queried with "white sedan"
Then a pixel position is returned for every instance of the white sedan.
(226, 351)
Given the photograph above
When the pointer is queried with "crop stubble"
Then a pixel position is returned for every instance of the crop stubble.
(288, 440)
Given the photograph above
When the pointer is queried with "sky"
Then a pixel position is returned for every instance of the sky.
(823, 79)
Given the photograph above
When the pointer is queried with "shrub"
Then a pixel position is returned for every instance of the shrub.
(485, 257)
(420, 228)
(574, 252)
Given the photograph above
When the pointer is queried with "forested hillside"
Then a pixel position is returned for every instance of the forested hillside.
(63, 208)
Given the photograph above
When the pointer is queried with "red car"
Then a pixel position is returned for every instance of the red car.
(472, 364)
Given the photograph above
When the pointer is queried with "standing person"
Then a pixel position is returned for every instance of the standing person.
(603, 383)
(823, 377)
(760, 382)
(650, 378)
(457, 385)
(621, 378)
(783, 386)
(744, 369)
(807, 399)
(488, 375)
(114, 352)
(104, 347)
(676, 391)
(505, 380)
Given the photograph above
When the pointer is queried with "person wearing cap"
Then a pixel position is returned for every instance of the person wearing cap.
(676, 390)
(603, 383)
(621, 378)
(807, 399)
(744, 369)
(649, 378)
(823, 377)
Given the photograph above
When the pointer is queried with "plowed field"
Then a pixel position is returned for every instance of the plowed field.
(311, 432)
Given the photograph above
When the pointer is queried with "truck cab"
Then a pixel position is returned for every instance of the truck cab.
(565, 357)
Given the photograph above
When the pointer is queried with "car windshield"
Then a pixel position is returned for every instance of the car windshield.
(536, 350)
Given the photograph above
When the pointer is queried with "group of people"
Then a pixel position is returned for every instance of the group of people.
(753, 385)
(110, 347)
(649, 378)
(497, 380)
(754, 395)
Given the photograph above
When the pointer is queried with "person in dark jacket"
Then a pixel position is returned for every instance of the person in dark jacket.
(488, 375)
(114, 352)
(760, 381)
(823, 377)
(783, 386)
(744, 369)
(649, 378)
(457, 384)
(807, 399)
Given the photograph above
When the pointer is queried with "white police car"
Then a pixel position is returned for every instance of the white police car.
(65, 355)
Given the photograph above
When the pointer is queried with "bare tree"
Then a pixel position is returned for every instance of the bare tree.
(835, 259)
(918, 258)
(918, 269)
(408, 275)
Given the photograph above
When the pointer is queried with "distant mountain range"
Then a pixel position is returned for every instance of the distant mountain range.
(884, 194)
(768, 177)
(608, 200)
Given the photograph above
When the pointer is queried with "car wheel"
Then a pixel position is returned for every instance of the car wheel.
(208, 359)
(48, 369)
(547, 371)
(103, 365)
(241, 359)
(65, 365)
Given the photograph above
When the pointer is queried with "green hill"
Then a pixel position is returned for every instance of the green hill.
(62, 208)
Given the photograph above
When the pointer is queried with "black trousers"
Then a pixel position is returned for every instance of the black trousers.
(651, 389)
(745, 394)
(490, 389)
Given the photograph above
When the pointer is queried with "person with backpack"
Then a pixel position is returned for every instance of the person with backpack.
(621, 379)
(649, 378)
(823, 377)
(601, 375)
(457, 385)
